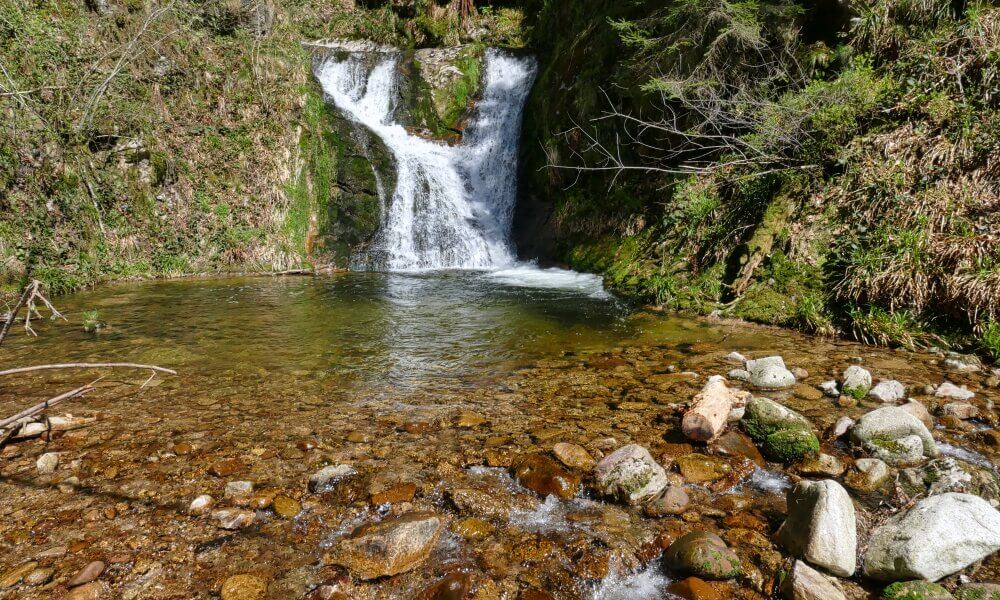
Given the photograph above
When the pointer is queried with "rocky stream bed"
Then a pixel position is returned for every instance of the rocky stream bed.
(845, 472)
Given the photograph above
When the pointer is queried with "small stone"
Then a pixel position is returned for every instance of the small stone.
(703, 554)
(39, 576)
(950, 390)
(87, 574)
(226, 468)
(631, 474)
(201, 505)
(978, 591)
(473, 528)
(87, 591)
(358, 437)
(183, 449)
(829, 388)
(800, 373)
(888, 390)
(69, 485)
(806, 583)
(960, 410)
(233, 518)
(699, 468)
(693, 588)
(15, 575)
(47, 463)
(770, 373)
(574, 456)
(893, 435)
(416, 427)
(238, 490)
(542, 475)
(394, 494)
(245, 586)
(856, 382)
(389, 547)
(468, 420)
(453, 586)
(842, 426)
(739, 375)
(868, 475)
(286, 507)
(821, 465)
(326, 478)
(736, 357)
(673, 501)
(261, 500)
(847, 402)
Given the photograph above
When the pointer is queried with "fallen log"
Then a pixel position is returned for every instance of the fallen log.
(709, 412)
(50, 424)
(86, 366)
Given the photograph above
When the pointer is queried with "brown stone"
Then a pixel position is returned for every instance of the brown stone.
(87, 591)
(245, 586)
(358, 437)
(389, 547)
(15, 575)
(693, 588)
(699, 468)
(473, 528)
(286, 507)
(226, 468)
(183, 448)
(453, 586)
(673, 501)
(394, 494)
(734, 443)
(87, 574)
(416, 427)
(542, 475)
(574, 456)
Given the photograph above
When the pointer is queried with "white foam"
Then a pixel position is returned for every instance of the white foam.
(649, 583)
(528, 275)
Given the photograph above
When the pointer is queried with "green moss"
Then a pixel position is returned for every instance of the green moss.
(790, 445)
(888, 444)
(914, 590)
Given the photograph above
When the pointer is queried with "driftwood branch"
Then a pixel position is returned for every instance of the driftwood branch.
(28, 412)
(30, 298)
(86, 366)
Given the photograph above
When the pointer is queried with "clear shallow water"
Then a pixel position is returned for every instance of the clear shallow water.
(398, 330)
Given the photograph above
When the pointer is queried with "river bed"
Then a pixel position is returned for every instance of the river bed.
(426, 385)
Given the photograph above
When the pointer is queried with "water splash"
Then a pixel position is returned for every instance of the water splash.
(452, 206)
(649, 583)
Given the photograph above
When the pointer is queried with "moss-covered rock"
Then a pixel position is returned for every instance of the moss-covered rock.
(916, 590)
(783, 434)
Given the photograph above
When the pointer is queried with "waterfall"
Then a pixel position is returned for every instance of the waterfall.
(452, 206)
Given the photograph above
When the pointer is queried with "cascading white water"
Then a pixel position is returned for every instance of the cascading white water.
(452, 206)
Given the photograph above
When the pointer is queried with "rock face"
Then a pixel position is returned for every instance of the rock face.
(888, 390)
(389, 547)
(630, 474)
(894, 435)
(703, 554)
(544, 476)
(857, 382)
(939, 536)
(782, 433)
(806, 583)
(770, 373)
(821, 527)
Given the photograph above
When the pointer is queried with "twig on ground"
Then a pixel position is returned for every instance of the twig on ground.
(28, 412)
(86, 366)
